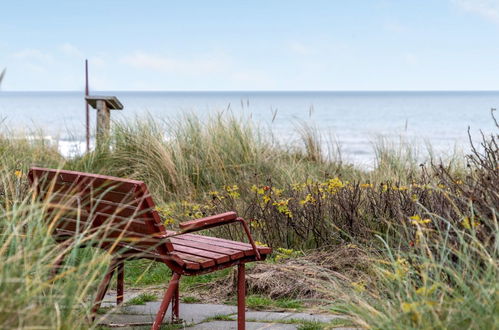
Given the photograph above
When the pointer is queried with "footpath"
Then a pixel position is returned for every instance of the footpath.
(211, 316)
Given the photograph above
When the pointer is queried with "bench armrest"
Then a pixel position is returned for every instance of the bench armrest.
(218, 220)
(208, 222)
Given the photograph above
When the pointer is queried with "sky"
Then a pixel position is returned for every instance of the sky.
(250, 45)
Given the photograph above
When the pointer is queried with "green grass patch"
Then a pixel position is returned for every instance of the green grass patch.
(259, 302)
(220, 317)
(312, 325)
(288, 303)
(142, 299)
(145, 272)
(190, 300)
(190, 282)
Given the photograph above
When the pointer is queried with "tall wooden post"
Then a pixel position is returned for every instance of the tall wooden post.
(103, 120)
(87, 111)
(103, 105)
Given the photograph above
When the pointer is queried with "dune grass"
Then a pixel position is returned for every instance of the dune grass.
(429, 231)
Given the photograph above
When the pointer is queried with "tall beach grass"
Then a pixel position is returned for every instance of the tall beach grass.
(429, 231)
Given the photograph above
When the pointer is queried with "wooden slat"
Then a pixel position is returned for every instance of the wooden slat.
(98, 206)
(97, 180)
(103, 232)
(203, 262)
(246, 247)
(208, 222)
(221, 240)
(217, 241)
(109, 198)
(219, 258)
(233, 254)
(133, 224)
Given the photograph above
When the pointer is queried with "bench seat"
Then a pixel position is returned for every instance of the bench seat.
(197, 252)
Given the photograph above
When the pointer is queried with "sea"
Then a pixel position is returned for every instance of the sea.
(355, 122)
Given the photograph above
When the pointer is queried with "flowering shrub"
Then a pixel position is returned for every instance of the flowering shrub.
(315, 214)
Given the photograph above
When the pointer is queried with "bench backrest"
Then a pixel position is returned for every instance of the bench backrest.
(115, 212)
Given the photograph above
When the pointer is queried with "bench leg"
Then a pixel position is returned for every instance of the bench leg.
(176, 306)
(169, 294)
(57, 265)
(103, 286)
(120, 290)
(241, 297)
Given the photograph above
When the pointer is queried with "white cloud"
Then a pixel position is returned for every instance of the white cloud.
(70, 50)
(96, 61)
(32, 54)
(300, 48)
(485, 8)
(173, 65)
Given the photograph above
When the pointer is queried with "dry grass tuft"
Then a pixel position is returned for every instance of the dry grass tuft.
(309, 277)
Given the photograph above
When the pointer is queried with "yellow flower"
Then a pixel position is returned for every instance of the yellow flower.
(308, 199)
(416, 220)
(255, 224)
(232, 191)
(277, 192)
(415, 308)
(260, 244)
(425, 291)
(169, 221)
(283, 253)
(18, 174)
(468, 224)
(282, 207)
(298, 186)
(366, 185)
(359, 286)
(287, 252)
(400, 269)
(334, 185)
(259, 191)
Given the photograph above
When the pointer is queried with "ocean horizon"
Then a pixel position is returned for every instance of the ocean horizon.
(355, 120)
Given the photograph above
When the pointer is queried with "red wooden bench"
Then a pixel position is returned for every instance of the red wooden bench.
(119, 215)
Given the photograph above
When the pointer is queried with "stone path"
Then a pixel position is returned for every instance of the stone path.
(207, 316)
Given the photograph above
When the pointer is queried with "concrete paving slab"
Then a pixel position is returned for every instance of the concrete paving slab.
(195, 315)
(277, 316)
(228, 325)
(191, 313)
(121, 319)
(110, 297)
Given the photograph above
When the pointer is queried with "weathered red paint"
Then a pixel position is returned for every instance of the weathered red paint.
(121, 216)
(120, 290)
(241, 297)
(169, 294)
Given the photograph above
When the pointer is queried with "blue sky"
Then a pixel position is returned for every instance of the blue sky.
(251, 45)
